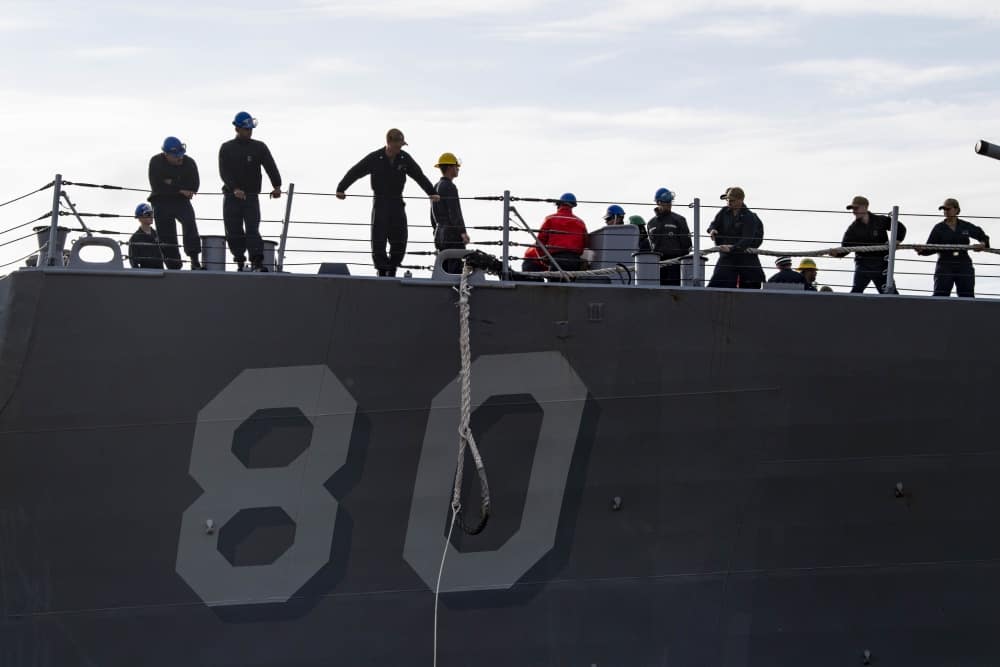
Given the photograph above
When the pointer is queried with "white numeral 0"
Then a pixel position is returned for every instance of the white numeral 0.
(553, 383)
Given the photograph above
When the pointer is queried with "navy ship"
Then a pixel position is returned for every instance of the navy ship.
(678, 476)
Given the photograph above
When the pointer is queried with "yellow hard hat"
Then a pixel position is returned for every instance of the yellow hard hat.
(448, 159)
(807, 264)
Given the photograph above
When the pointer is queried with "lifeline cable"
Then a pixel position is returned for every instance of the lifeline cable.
(25, 196)
(43, 216)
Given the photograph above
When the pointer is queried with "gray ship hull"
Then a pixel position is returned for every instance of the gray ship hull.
(209, 469)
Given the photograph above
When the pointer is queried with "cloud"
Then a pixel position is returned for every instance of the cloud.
(750, 30)
(8, 24)
(336, 65)
(110, 52)
(859, 74)
(629, 16)
(419, 9)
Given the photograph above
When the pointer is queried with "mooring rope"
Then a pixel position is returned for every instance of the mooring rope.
(466, 441)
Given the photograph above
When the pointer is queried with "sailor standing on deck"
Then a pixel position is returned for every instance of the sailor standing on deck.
(173, 181)
(807, 269)
(388, 168)
(735, 230)
(144, 250)
(640, 222)
(240, 162)
(446, 214)
(564, 235)
(869, 229)
(954, 267)
(785, 273)
(615, 215)
(669, 236)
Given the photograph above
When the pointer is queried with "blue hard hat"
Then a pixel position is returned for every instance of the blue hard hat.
(663, 195)
(568, 198)
(245, 120)
(174, 146)
(143, 209)
(614, 210)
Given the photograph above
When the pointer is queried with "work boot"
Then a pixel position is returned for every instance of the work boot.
(258, 267)
(241, 264)
(196, 265)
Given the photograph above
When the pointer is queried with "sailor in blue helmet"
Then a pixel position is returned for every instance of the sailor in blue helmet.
(388, 168)
(173, 181)
(240, 162)
(564, 235)
(735, 230)
(144, 251)
(615, 215)
(668, 235)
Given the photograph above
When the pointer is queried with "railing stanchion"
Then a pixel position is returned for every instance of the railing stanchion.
(890, 280)
(505, 271)
(699, 268)
(53, 247)
(284, 228)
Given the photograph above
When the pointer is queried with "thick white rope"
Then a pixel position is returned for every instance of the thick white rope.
(837, 251)
(465, 437)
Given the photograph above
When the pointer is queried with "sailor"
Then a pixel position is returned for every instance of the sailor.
(615, 215)
(735, 230)
(954, 267)
(564, 235)
(807, 268)
(173, 181)
(668, 235)
(144, 250)
(532, 263)
(446, 214)
(869, 229)
(388, 168)
(785, 273)
(240, 162)
(640, 222)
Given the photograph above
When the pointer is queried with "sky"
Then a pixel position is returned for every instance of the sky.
(803, 104)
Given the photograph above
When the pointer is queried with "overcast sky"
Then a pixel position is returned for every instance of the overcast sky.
(804, 104)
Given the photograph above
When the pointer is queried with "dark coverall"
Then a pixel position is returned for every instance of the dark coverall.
(144, 250)
(169, 206)
(448, 223)
(787, 276)
(240, 162)
(871, 266)
(954, 267)
(388, 208)
(741, 229)
(670, 237)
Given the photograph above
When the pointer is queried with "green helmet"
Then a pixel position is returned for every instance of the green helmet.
(636, 220)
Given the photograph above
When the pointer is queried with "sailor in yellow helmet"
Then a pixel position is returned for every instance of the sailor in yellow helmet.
(446, 213)
(807, 268)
